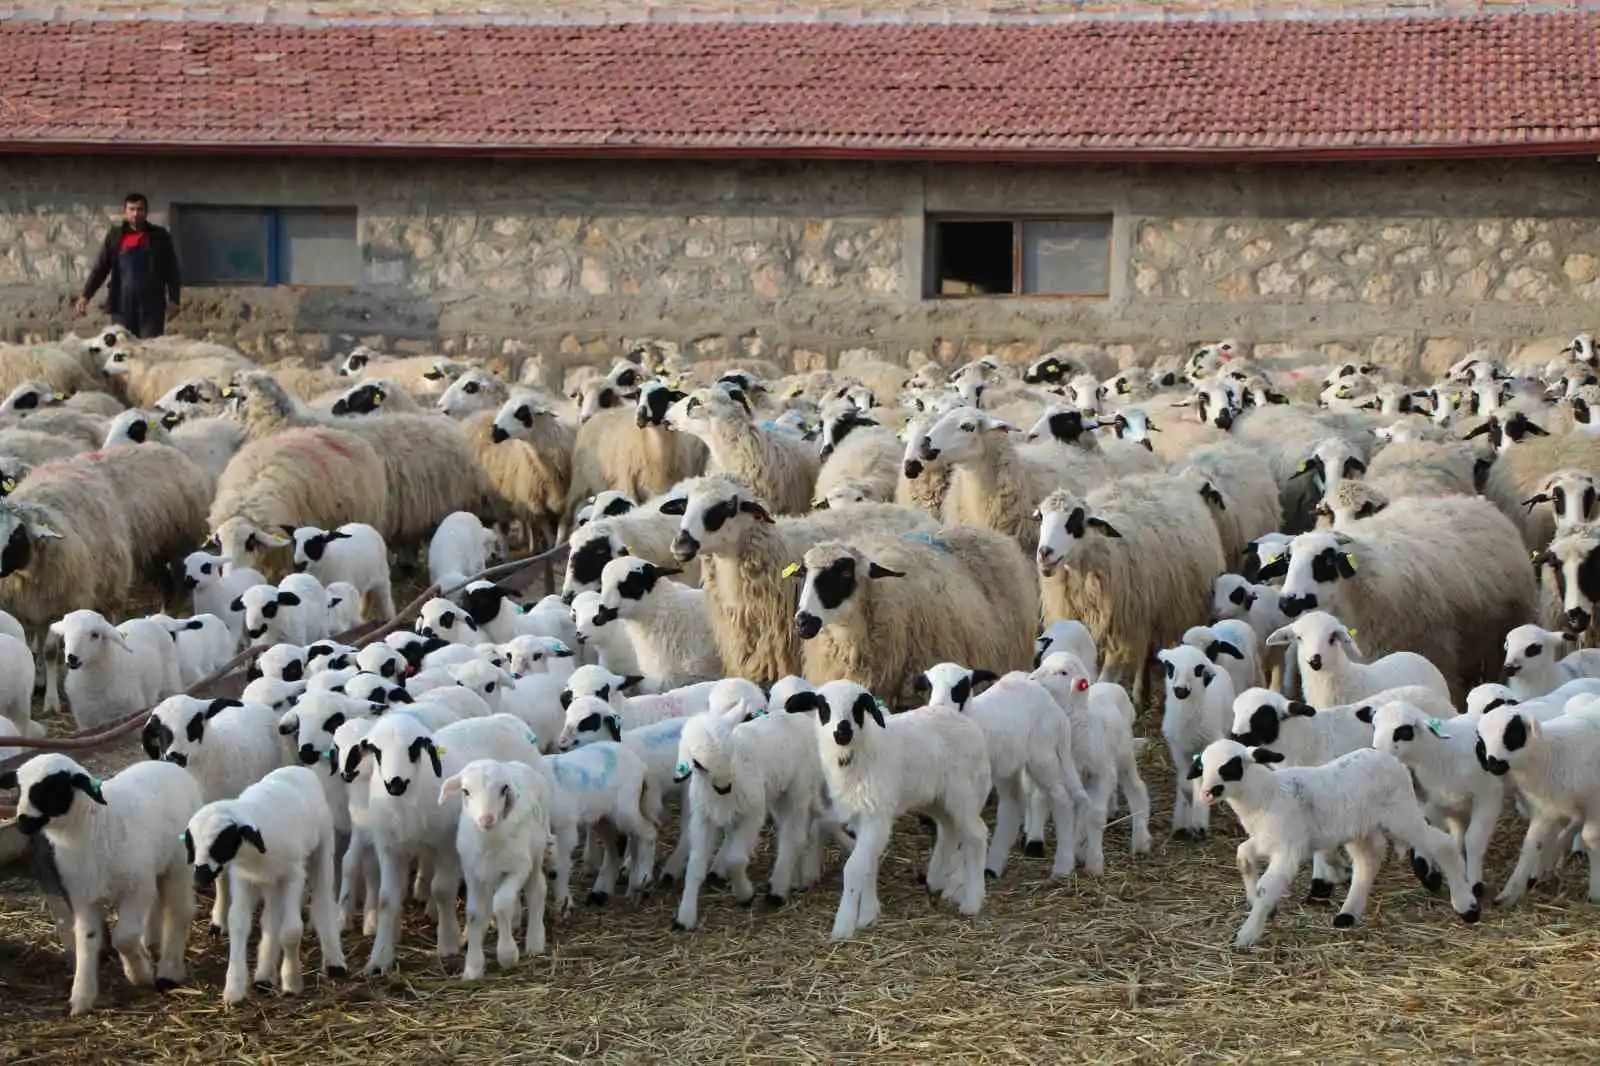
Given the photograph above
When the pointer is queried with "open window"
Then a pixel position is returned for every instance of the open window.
(1068, 256)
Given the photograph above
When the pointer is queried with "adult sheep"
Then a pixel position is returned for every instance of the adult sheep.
(429, 470)
(1446, 578)
(164, 495)
(1134, 561)
(64, 373)
(1240, 492)
(142, 376)
(875, 611)
(855, 447)
(1521, 470)
(630, 450)
(525, 451)
(750, 600)
(779, 468)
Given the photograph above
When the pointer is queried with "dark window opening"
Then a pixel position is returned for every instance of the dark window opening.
(1011, 257)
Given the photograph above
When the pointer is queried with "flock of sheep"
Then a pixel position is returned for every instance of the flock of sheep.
(822, 600)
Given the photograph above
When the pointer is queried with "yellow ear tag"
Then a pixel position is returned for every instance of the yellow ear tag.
(7, 485)
(1303, 466)
(791, 570)
(438, 751)
(1351, 559)
(1351, 630)
(229, 392)
(661, 368)
(377, 399)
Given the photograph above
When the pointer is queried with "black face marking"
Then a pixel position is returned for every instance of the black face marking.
(961, 691)
(1516, 734)
(584, 563)
(18, 552)
(1066, 426)
(1232, 770)
(836, 583)
(482, 604)
(1264, 727)
(619, 505)
(1404, 733)
(1075, 522)
(719, 513)
(638, 583)
(52, 797)
(1047, 371)
(156, 738)
(195, 731)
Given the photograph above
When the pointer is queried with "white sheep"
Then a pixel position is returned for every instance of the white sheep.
(494, 611)
(1552, 764)
(636, 711)
(215, 583)
(16, 686)
(204, 644)
(535, 699)
(667, 623)
(355, 553)
(1233, 645)
(1440, 753)
(344, 607)
(1324, 648)
(461, 547)
(294, 611)
(115, 845)
(535, 654)
(1532, 667)
(113, 671)
(611, 645)
(1028, 737)
(1234, 598)
(409, 824)
(501, 838)
(272, 839)
(1355, 801)
(1104, 750)
(778, 468)
(931, 759)
(1068, 634)
(1198, 711)
(608, 786)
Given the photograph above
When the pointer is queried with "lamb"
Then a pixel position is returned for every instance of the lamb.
(855, 448)
(1353, 801)
(611, 644)
(203, 643)
(1028, 737)
(1531, 667)
(534, 653)
(113, 671)
(871, 610)
(667, 623)
(995, 484)
(294, 611)
(1324, 649)
(932, 759)
(1136, 559)
(416, 824)
(1454, 790)
(741, 764)
(525, 451)
(747, 596)
(608, 787)
(501, 838)
(1069, 634)
(461, 548)
(208, 442)
(1233, 646)
(493, 609)
(1551, 763)
(313, 476)
(632, 451)
(605, 504)
(534, 700)
(285, 819)
(353, 553)
(636, 711)
(1103, 749)
(116, 846)
(1349, 502)
(16, 686)
(645, 531)
(778, 469)
(1234, 598)
(1199, 709)
(1440, 577)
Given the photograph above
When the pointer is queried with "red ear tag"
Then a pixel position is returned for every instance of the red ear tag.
(1083, 684)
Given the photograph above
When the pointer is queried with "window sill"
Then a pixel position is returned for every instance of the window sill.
(1019, 296)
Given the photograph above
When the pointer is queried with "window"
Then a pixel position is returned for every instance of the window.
(226, 245)
(1025, 256)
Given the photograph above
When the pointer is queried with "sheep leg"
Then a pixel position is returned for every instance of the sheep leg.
(269, 952)
(941, 859)
(477, 928)
(1591, 844)
(1408, 826)
(324, 916)
(1249, 867)
(1268, 891)
(694, 873)
(610, 847)
(1138, 800)
(241, 912)
(1093, 825)
(393, 869)
(1365, 857)
(369, 886)
(351, 877)
(1007, 819)
(566, 842)
(88, 932)
(792, 825)
(534, 891)
(1181, 803)
(1324, 874)
(177, 907)
(972, 830)
(291, 930)
(1475, 842)
(858, 903)
(219, 905)
(446, 885)
(741, 842)
(1064, 809)
(673, 869)
(47, 647)
(1033, 823)
(127, 937)
(507, 905)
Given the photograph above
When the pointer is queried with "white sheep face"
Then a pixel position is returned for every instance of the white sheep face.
(1188, 672)
(384, 661)
(108, 339)
(488, 792)
(475, 390)
(535, 654)
(177, 726)
(1259, 714)
(482, 678)
(703, 750)
(517, 418)
(215, 837)
(317, 716)
(240, 542)
(1332, 460)
(584, 606)
(714, 520)
(88, 639)
(957, 437)
(844, 710)
(445, 620)
(1065, 524)
(1397, 725)
(950, 683)
(594, 396)
(403, 752)
(1529, 647)
(625, 585)
(1317, 563)
(49, 787)
(588, 719)
(1227, 765)
(311, 544)
(1060, 422)
(1503, 737)
(1231, 597)
(834, 578)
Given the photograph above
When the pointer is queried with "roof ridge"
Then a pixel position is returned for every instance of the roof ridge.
(1245, 12)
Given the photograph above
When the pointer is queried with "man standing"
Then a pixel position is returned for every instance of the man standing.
(139, 259)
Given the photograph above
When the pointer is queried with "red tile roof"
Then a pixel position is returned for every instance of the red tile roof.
(1489, 85)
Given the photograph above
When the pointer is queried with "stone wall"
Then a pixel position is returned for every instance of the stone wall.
(806, 262)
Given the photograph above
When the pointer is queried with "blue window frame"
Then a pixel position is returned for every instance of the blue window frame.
(229, 244)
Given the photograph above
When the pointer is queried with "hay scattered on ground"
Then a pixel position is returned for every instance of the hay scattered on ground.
(1133, 966)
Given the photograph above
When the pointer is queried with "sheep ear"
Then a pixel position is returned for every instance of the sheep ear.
(980, 677)
(876, 571)
(450, 786)
(1265, 755)
(8, 781)
(273, 540)
(802, 702)
(920, 683)
(288, 599)
(237, 605)
(1105, 527)
(252, 835)
(1347, 564)
(1196, 768)
(115, 636)
(866, 706)
(289, 724)
(756, 511)
(1281, 637)
(217, 706)
(89, 786)
(1537, 431)
(1364, 714)
(1222, 647)
(675, 506)
(1300, 710)
(630, 681)
(1349, 640)
(613, 724)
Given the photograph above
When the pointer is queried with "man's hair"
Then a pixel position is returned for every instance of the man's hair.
(135, 198)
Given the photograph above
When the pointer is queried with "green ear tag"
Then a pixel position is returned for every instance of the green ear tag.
(1436, 727)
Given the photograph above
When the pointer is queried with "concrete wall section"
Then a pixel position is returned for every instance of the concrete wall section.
(802, 262)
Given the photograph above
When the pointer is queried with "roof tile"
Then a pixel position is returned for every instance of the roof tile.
(1503, 80)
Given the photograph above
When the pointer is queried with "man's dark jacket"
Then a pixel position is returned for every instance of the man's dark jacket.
(163, 276)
